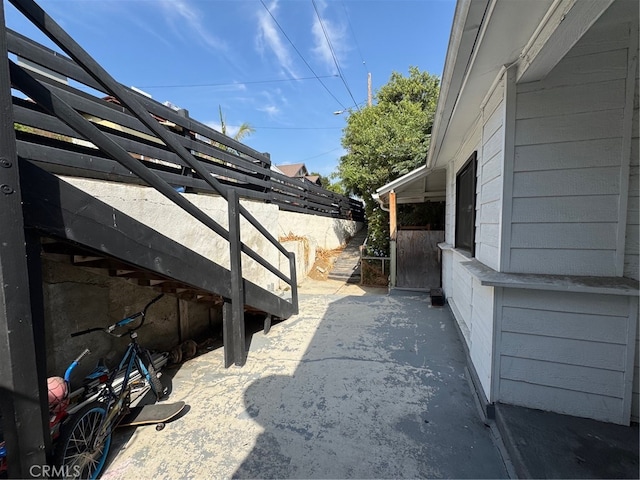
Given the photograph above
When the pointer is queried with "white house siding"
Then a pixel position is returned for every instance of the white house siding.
(472, 303)
(568, 161)
(635, 400)
(456, 280)
(489, 187)
(566, 352)
(461, 295)
(473, 307)
(632, 245)
(481, 349)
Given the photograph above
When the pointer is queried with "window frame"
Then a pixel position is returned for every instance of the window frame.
(469, 167)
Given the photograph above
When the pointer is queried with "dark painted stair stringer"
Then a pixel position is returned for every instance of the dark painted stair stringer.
(57, 209)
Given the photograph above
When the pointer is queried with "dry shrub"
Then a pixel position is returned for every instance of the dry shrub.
(372, 275)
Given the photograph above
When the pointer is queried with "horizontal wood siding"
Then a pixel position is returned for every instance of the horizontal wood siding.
(632, 245)
(635, 400)
(481, 349)
(470, 144)
(566, 352)
(489, 182)
(462, 292)
(568, 160)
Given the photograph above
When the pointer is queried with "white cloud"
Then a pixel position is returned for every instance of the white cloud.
(271, 110)
(214, 124)
(273, 100)
(337, 33)
(269, 36)
(180, 12)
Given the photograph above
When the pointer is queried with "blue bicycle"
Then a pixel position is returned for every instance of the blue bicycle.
(85, 437)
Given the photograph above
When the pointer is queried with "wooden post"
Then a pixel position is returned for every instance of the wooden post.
(183, 319)
(23, 400)
(237, 282)
(294, 282)
(227, 334)
(393, 234)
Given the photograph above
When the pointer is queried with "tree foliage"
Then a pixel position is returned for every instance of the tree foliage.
(388, 140)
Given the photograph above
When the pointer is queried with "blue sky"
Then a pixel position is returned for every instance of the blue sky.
(278, 75)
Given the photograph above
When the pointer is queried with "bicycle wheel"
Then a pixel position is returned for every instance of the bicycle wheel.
(79, 452)
(151, 375)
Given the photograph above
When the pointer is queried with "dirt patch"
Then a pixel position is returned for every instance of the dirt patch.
(372, 274)
(324, 263)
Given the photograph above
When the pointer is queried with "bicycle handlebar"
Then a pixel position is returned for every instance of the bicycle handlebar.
(89, 330)
(121, 323)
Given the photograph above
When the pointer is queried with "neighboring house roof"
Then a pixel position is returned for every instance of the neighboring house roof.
(314, 179)
(293, 170)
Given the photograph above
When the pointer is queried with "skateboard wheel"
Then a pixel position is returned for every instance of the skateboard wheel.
(176, 355)
(160, 426)
(189, 349)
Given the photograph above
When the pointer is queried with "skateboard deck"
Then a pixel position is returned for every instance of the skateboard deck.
(148, 414)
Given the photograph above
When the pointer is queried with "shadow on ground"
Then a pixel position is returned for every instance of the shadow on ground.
(358, 385)
(380, 392)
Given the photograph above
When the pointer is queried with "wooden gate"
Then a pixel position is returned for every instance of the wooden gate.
(418, 258)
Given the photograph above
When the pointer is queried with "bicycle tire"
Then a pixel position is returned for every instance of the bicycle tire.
(75, 456)
(153, 379)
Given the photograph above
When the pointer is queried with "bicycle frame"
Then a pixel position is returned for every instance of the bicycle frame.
(117, 404)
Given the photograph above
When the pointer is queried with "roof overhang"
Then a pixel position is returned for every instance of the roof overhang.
(486, 37)
(418, 186)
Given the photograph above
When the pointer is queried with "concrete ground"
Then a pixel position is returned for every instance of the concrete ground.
(550, 445)
(360, 384)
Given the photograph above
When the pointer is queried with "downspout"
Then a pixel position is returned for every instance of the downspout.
(393, 234)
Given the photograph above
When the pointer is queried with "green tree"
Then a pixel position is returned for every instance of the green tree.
(387, 140)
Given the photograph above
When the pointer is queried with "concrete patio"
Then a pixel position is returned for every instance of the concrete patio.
(360, 384)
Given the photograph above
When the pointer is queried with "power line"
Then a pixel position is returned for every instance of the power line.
(355, 39)
(333, 53)
(300, 55)
(321, 154)
(195, 85)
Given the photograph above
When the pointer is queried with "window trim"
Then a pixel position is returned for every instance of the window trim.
(472, 165)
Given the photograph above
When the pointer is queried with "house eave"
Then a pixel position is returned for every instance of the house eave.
(484, 39)
(414, 187)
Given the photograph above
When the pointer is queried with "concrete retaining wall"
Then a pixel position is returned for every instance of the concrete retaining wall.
(77, 298)
(151, 208)
(80, 298)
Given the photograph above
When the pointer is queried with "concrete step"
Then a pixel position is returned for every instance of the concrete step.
(347, 266)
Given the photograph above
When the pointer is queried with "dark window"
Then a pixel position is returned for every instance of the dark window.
(466, 206)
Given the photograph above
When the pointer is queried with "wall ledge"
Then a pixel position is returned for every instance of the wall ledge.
(564, 283)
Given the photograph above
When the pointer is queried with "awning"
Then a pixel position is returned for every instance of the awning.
(418, 186)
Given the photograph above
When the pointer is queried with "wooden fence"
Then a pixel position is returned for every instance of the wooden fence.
(47, 141)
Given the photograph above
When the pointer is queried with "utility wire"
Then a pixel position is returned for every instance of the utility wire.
(300, 55)
(321, 154)
(333, 53)
(195, 85)
(353, 34)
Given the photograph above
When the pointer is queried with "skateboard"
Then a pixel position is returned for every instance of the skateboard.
(158, 413)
